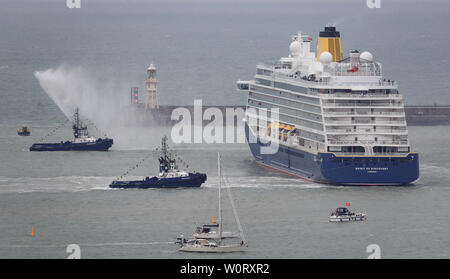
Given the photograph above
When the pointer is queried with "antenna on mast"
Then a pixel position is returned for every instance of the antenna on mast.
(78, 129)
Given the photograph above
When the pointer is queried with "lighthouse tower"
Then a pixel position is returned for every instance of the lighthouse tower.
(152, 98)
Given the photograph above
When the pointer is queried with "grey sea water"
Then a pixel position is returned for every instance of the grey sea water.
(52, 58)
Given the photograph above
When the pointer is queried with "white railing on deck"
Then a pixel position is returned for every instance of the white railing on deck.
(376, 122)
(360, 113)
(405, 142)
(340, 96)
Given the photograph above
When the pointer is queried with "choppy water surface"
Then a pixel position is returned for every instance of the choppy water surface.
(65, 197)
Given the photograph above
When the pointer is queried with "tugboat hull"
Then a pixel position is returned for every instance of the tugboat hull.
(99, 145)
(193, 180)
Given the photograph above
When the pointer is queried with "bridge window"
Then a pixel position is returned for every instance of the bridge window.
(390, 149)
(353, 149)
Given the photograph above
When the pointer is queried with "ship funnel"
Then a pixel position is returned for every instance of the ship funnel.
(330, 41)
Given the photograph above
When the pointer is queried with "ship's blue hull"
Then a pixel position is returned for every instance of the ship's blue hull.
(193, 180)
(99, 145)
(339, 170)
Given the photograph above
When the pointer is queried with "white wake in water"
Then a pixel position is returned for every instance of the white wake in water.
(263, 182)
(92, 183)
(54, 184)
(89, 244)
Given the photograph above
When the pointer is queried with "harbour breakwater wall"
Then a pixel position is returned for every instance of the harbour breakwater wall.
(138, 115)
(427, 115)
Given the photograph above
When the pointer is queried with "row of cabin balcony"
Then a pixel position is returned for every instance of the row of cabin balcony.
(356, 104)
(349, 93)
(361, 102)
(286, 99)
(358, 113)
(366, 139)
(285, 111)
(377, 131)
(288, 106)
(361, 150)
(343, 93)
(362, 96)
(375, 141)
(366, 122)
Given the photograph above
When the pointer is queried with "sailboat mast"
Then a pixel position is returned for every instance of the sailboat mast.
(241, 232)
(220, 199)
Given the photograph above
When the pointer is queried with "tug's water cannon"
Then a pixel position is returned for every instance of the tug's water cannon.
(330, 41)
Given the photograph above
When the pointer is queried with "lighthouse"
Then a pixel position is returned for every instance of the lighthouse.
(152, 98)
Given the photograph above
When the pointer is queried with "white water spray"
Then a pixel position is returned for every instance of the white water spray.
(101, 101)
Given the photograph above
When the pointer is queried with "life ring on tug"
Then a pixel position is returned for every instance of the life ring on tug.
(198, 230)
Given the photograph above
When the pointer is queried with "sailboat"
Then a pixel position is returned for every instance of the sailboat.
(216, 244)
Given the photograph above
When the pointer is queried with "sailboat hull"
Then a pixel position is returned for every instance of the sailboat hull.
(215, 235)
(214, 249)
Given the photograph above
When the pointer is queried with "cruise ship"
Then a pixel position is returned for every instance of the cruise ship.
(333, 118)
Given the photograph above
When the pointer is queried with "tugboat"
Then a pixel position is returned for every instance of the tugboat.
(82, 141)
(169, 175)
(342, 214)
(24, 131)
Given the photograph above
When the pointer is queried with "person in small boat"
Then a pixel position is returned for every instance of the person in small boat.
(182, 239)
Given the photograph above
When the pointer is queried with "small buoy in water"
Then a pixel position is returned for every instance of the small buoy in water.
(32, 231)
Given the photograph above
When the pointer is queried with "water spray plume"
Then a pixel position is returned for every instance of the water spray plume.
(101, 101)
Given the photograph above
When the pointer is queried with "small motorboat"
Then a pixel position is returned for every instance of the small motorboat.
(24, 131)
(342, 214)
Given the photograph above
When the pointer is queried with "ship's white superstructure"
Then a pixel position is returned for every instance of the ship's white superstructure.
(343, 107)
